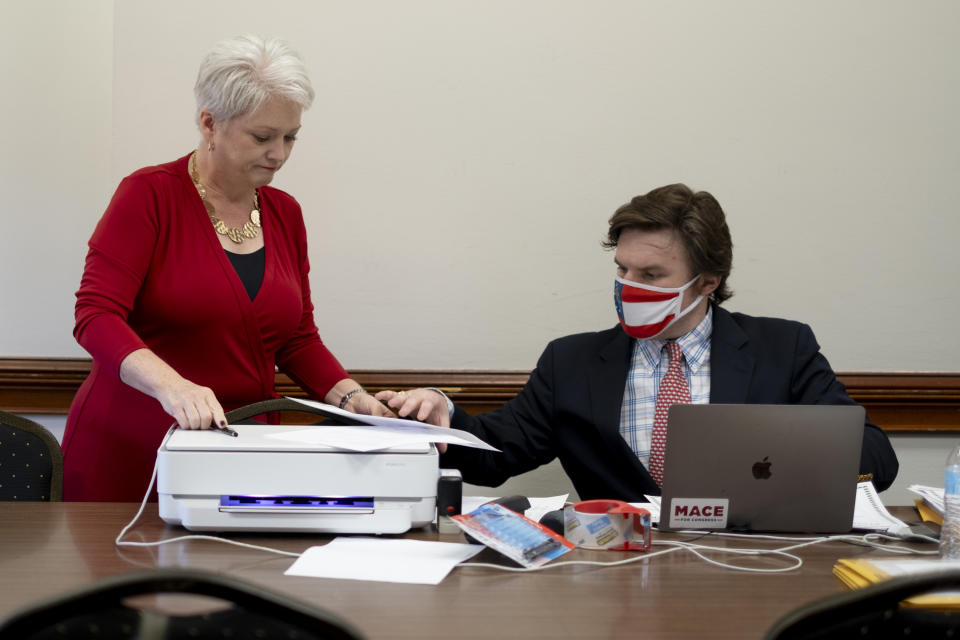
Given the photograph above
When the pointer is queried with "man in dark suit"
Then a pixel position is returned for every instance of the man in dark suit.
(598, 401)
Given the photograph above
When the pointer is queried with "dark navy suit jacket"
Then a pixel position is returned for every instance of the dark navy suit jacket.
(570, 407)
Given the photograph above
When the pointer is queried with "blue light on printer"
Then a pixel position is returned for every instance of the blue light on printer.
(310, 502)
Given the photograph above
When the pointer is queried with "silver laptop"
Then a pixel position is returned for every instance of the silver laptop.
(754, 467)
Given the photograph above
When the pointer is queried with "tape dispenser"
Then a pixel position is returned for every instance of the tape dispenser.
(607, 524)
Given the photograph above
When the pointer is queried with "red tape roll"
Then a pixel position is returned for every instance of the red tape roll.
(607, 524)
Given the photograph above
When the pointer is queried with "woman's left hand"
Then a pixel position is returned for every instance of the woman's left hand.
(366, 404)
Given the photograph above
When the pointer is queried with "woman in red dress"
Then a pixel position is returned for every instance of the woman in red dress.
(195, 287)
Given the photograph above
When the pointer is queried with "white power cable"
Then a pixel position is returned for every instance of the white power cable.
(864, 540)
(696, 549)
(675, 546)
(569, 563)
(143, 505)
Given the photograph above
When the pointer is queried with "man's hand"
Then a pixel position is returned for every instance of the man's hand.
(425, 405)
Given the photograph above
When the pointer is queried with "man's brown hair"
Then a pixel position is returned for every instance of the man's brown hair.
(696, 217)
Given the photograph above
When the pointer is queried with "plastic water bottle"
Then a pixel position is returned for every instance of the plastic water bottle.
(950, 532)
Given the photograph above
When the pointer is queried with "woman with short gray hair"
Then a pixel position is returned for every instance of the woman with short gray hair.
(195, 287)
(240, 74)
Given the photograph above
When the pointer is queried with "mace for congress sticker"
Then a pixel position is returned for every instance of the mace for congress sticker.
(698, 513)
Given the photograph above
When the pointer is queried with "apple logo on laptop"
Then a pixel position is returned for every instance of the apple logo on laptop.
(761, 470)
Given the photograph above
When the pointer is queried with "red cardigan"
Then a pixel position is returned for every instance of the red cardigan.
(156, 276)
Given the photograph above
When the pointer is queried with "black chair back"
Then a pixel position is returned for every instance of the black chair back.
(31, 463)
(875, 612)
(104, 610)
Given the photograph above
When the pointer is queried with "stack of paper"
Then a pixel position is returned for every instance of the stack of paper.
(930, 503)
(858, 572)
(375, 433)
(869, 514)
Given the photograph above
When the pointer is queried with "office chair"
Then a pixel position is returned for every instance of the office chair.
(100, 611)
(31, 463)
(875, 612)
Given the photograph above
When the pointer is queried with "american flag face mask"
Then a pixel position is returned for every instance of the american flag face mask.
(646, 311)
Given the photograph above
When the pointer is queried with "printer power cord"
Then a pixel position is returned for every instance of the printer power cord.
(153, 477)
(699, 550)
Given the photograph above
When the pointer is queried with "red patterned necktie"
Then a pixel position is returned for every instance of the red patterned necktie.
(673, 390)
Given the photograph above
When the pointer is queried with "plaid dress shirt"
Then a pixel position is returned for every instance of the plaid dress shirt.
(648, 365)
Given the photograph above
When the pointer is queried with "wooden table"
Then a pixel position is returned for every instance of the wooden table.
(48, 548)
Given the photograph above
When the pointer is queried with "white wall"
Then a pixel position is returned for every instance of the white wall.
(462, 158)
(55, 174)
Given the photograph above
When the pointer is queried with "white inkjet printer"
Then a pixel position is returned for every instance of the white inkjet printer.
(209, 481)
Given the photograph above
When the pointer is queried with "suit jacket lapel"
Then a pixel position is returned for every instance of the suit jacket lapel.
(731, 366)
(607, 375)
(608, 379)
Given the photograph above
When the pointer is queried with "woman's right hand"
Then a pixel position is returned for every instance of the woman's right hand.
(192, 406)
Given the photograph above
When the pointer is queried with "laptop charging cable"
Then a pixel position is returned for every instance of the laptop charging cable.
(698, 550)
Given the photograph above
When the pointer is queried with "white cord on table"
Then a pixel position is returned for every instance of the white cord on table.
(143, 504)
(696, 549)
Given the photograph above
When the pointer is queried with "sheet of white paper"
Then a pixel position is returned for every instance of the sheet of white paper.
(652, 507)
(469, 503)
(869, 513)
(391, 431)
(351, 438)
(538, 506)
(382, 560)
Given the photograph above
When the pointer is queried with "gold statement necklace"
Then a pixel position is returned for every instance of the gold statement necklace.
(250, 229)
